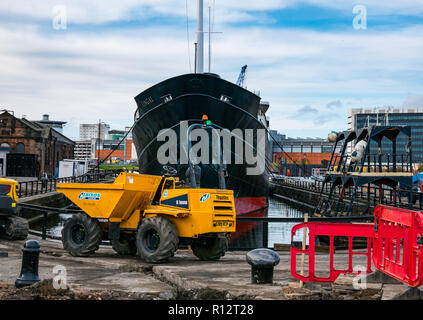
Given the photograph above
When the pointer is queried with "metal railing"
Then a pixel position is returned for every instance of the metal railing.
(373, 162)
(373, 194)
(45, 211)
(265, 221)
(40, 186)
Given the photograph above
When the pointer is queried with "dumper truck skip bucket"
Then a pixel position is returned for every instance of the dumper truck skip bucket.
(147, 214)
(116, 201)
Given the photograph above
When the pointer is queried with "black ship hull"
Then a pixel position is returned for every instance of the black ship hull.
(188, 98)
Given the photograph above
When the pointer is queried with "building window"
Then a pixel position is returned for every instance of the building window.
(4, 147)
(326, 149)
(20, 148)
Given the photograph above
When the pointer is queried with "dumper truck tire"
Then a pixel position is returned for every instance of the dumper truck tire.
(125, 246)
(81, 235)
(157, 239)
(209, 248)
(17, 228)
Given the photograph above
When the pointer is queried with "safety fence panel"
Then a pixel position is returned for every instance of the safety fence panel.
(397, 247)
(332, 230)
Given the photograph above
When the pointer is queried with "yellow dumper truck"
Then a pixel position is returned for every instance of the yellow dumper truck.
(148, 214)
(12, 227)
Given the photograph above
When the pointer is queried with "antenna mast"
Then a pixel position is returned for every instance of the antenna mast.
(200, 38)
(209, 38)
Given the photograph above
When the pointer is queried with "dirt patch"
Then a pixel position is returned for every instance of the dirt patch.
(332, 292)
(208, 294)
(147, 269)
(52, 253)
(44, 290)
(200, 294)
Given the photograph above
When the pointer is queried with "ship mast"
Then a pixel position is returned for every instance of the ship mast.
(200, 39)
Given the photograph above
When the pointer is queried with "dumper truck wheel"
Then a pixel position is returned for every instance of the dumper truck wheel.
(157, 239)
(209, 248)
(81, 235)
(125, 245)
(16, 228)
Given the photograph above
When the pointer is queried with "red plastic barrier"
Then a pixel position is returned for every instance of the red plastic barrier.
(396, 250)
(332, 230)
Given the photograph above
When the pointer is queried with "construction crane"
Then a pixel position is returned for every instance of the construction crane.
(241, 77)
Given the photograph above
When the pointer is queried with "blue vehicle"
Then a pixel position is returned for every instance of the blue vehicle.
(416, 188)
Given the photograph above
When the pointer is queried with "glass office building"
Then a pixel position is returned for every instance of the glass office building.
(413, 117)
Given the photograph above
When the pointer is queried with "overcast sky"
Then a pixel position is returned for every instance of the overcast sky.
(312, 60)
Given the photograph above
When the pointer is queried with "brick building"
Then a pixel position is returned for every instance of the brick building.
(300, 157)
(300, 163)
(28, 149)
(122, 153)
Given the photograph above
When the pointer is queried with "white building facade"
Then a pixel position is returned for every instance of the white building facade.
(91, 131)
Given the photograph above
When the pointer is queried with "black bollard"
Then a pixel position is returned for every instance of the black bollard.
(262, 262)
(29, 270)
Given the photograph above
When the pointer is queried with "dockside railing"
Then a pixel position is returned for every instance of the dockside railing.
(40, 186)
(399, 197)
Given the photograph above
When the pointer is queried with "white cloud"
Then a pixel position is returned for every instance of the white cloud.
(413, 102)
(83, 76)
(103, 11)
(374, 7)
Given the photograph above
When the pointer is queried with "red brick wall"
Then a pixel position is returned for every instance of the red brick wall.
(14, 131)
(298, 157)
(117, 153)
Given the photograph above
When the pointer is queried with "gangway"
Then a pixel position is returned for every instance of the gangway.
(369, 156)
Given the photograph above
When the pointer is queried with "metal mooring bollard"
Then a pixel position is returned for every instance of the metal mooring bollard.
(29, 270)
(262, 262)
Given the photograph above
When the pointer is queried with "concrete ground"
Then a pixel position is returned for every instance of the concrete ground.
(112, 276)
(39, 198)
